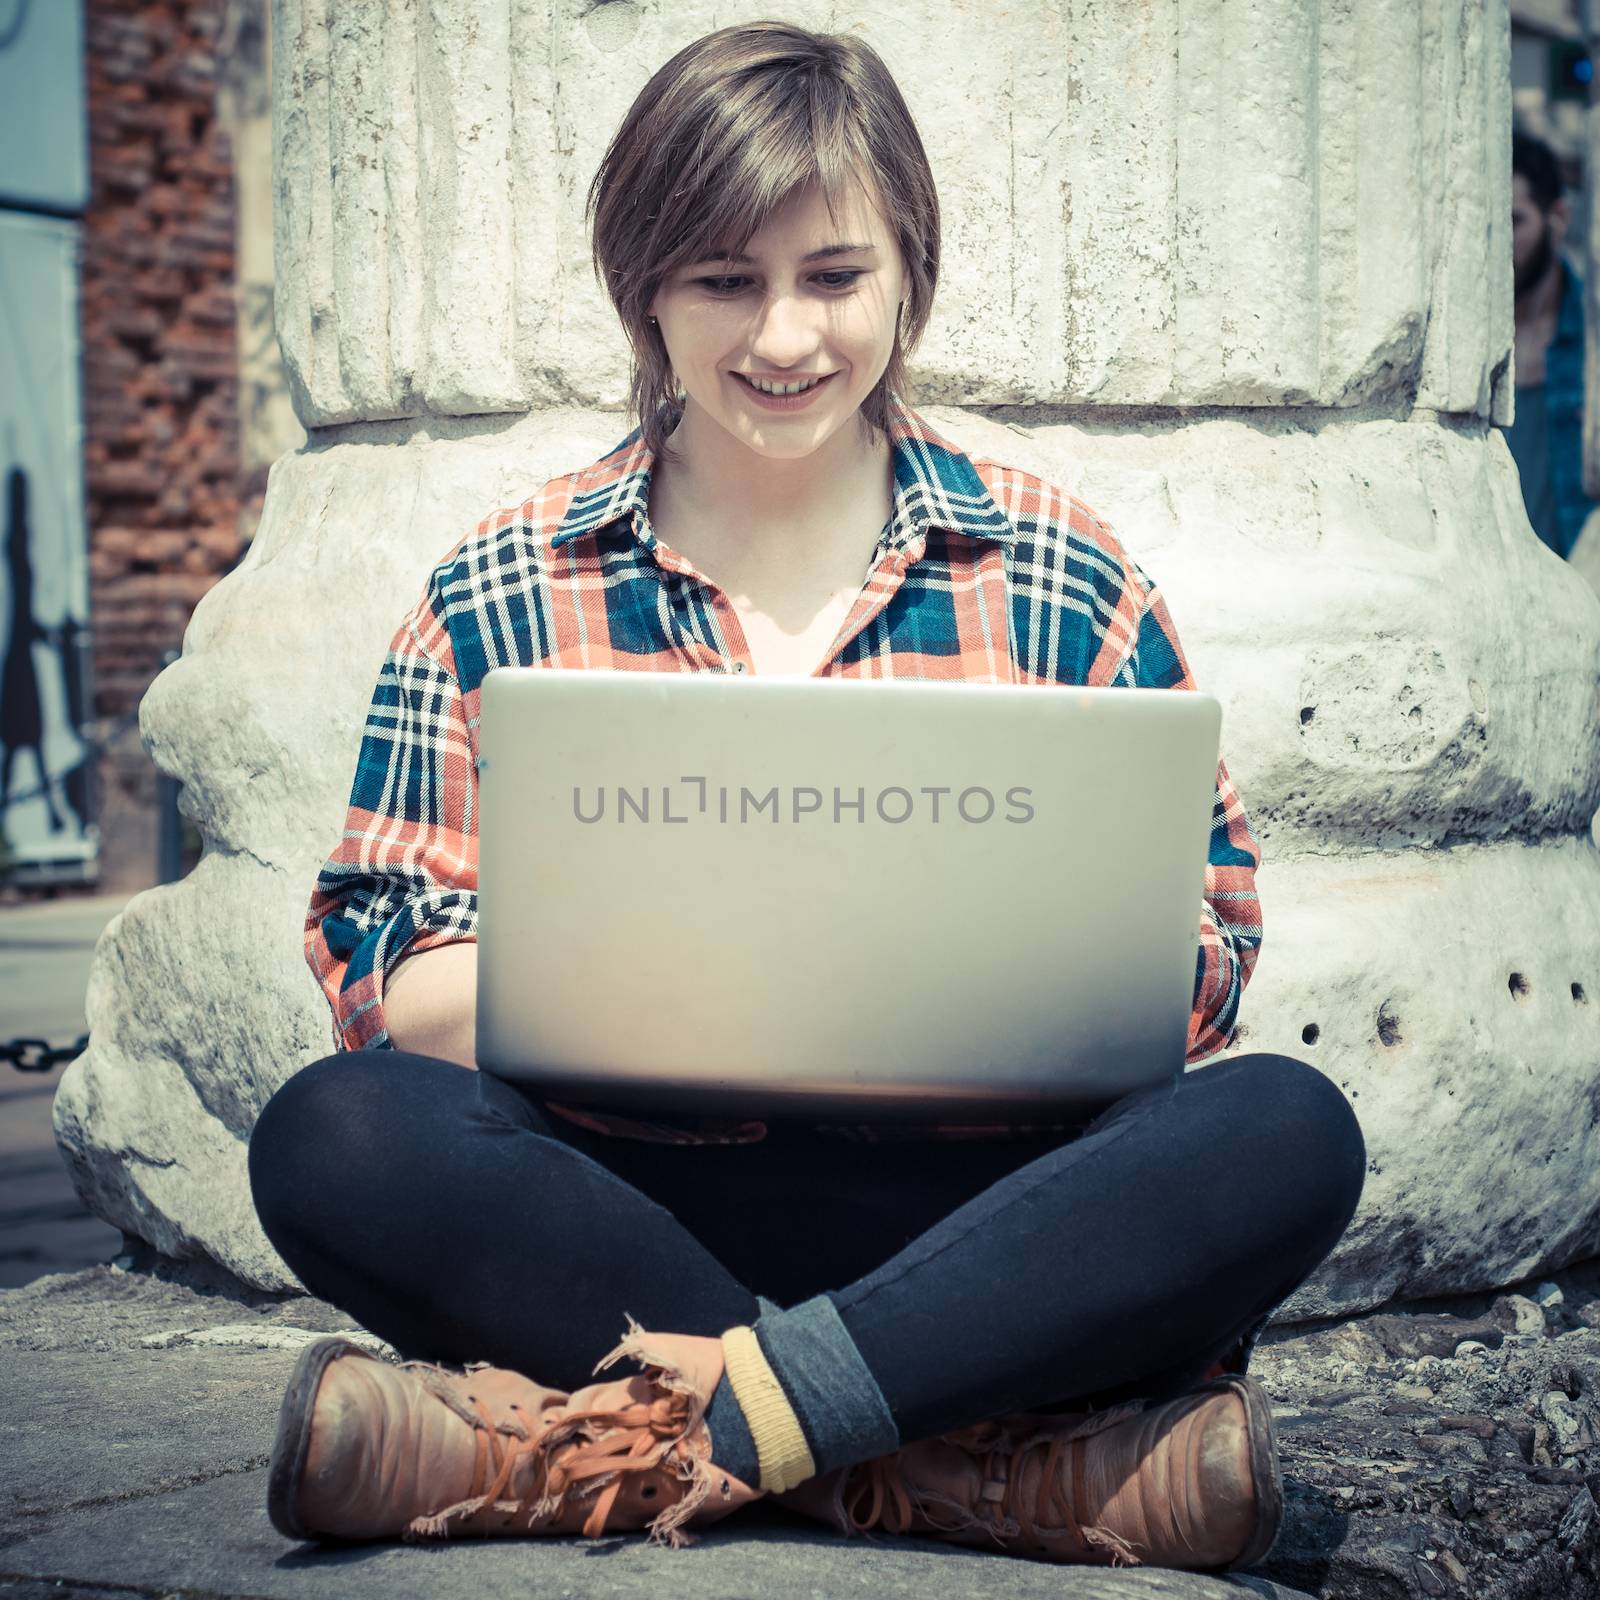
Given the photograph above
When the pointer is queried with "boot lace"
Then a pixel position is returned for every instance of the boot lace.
(639, 1438)
(582, 1453)
(877, 1493)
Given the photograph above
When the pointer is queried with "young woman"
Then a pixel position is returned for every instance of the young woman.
(1031, 1338)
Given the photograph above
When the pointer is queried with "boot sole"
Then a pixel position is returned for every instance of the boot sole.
(293, 1442)
(1265, 1471)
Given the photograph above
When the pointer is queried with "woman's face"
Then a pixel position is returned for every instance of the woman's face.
(781, 344)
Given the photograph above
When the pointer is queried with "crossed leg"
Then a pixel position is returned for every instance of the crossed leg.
(446, 1212)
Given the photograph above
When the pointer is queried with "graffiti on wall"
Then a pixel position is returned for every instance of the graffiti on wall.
(46, 812)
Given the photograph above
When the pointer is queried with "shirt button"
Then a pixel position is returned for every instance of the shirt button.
(738, 666)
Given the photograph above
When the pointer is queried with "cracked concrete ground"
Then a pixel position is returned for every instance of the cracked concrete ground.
(135, 1458)
(1432, 1451)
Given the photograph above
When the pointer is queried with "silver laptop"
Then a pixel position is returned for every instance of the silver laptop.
(876, 899)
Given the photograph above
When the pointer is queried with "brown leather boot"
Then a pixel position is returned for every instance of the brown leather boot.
(368, 1450)
(1192, 1483)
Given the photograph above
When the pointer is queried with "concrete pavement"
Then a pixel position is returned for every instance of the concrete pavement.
(135, 1459)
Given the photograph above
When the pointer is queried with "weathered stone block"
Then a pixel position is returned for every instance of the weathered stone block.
(1243, 204)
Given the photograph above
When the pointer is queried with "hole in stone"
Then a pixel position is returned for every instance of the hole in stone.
(1306, 714)
(1579, 994)
(1310, 1033)
(1519, 986)
(1388, 1025)
(611, 24)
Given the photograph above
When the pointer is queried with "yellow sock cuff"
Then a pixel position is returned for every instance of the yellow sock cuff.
(781, 1448)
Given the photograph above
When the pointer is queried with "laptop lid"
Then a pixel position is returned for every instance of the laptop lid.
(854, 897)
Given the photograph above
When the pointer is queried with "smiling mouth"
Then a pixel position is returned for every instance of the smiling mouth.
(777, 390)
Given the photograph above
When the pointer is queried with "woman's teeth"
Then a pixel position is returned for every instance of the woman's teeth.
(767, 387)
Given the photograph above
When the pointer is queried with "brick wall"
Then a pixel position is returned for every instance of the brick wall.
(160, 370)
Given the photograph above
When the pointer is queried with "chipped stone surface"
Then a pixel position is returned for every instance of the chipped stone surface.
(248, 1336)
(1266, 347)
(111, 1308)
(1470, 1474)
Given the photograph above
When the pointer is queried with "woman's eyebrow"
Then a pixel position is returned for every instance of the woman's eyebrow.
(825, 253)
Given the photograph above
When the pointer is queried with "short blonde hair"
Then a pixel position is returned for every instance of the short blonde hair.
(716, 141)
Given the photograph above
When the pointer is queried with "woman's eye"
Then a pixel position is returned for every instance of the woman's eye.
(840, 279)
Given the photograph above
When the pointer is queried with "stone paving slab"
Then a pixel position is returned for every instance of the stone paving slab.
(133, 1457)
(214, 1538)
(79, 1431)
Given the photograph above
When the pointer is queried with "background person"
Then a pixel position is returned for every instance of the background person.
(1546, 438)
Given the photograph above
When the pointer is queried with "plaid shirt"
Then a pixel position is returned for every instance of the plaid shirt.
(982, 574)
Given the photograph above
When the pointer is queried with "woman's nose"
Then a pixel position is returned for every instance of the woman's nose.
(786, 332)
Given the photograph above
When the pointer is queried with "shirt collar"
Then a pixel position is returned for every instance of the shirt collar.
(935, 486)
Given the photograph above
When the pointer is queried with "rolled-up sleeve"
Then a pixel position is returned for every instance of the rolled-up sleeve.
(403, 875)
(1230, 913)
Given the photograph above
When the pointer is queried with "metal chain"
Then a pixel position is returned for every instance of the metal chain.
(36, 1055)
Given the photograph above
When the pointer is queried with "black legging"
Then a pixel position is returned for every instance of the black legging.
(449, 1214)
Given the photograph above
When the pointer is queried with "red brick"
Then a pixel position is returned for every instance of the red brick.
(163, 200)
(160, 378)
(135, 322)
(160, 284)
